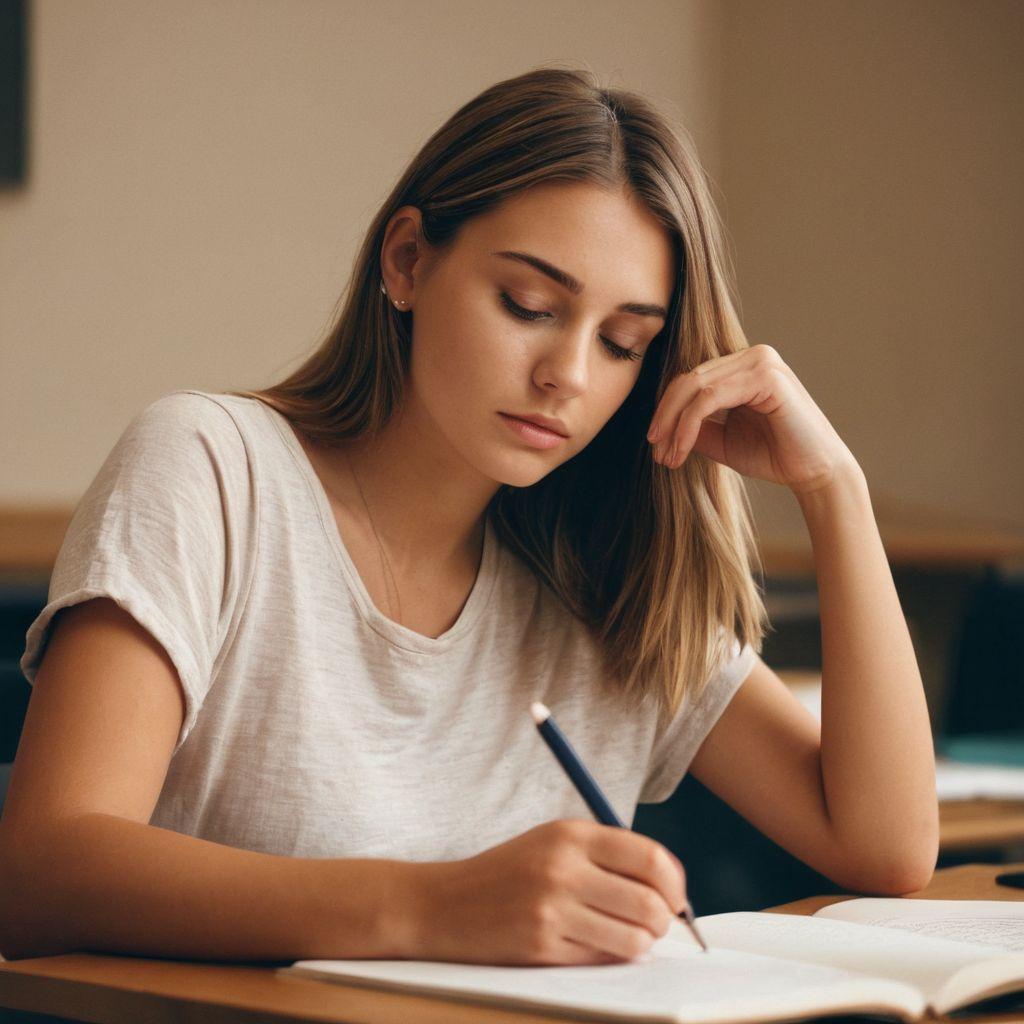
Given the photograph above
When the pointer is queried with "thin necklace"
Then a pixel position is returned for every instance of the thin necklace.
(385, 563)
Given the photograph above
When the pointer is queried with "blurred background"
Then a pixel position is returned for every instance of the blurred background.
(185, 184)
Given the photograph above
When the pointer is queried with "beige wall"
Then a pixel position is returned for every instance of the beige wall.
(872, 170)
(202, 171)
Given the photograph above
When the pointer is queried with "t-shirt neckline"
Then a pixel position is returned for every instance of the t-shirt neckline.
(394, 632)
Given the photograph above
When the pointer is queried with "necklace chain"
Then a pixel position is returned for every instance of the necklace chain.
(385, 563)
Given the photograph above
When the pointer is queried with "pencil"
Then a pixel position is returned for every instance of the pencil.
(588, 787)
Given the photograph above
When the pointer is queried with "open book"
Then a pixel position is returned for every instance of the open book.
(884, 957)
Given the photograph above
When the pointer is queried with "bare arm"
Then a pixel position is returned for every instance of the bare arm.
(101, 882)
(854, 797)
(82, 869)
(877, 756)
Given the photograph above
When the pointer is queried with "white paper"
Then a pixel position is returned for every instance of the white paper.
(672, 982)
(922, 961)
(998, 923)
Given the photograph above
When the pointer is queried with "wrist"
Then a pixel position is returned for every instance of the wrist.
(408, 913)
(846, 484)
(365, 908)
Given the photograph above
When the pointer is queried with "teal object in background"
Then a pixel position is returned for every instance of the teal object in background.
(1003, 748)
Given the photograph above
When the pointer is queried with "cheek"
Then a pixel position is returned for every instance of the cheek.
(471, 355)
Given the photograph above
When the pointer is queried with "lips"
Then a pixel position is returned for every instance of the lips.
(547, 422)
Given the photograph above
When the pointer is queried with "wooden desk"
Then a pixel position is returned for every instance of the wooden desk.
(113, 989)
(981, 824)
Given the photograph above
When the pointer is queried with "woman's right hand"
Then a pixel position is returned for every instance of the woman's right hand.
(566, 892)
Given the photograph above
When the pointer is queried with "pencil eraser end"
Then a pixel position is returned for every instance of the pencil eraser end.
(539, 711)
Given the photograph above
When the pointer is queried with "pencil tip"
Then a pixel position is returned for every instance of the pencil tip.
(539, 711)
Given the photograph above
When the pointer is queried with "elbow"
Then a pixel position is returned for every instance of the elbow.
(900, 878)
(901, 872)
(893, 863)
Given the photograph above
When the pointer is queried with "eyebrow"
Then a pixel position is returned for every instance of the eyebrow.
(569, 282)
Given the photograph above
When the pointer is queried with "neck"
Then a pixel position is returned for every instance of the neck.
(427, 504)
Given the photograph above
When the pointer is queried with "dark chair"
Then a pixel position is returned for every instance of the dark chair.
(988, 679)
(14, 694)
(730, 865)
(20, 603)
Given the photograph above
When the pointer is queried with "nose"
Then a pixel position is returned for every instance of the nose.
(562, 365)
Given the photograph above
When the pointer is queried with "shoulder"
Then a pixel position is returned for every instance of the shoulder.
(189, 426)
(188, 411)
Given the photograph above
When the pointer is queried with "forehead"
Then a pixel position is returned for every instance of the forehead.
(608, 240)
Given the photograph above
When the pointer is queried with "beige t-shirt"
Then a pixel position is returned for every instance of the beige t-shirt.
(315, 726)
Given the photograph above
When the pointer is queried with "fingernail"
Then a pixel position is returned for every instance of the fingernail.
(654, 433)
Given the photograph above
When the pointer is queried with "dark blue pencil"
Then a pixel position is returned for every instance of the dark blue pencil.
(588, 787)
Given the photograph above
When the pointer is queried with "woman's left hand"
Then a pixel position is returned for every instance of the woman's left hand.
(749, 411)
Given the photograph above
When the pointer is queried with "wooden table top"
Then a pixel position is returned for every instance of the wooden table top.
(980, 824)
(103, 988)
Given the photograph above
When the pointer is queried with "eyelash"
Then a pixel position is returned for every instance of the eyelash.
(617, 351)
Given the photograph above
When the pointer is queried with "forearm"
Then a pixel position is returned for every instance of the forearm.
(877, 757)
(105, 883)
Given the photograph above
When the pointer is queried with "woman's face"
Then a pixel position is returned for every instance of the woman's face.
(495, 338)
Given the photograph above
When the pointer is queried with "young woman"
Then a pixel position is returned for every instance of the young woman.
(283, 711)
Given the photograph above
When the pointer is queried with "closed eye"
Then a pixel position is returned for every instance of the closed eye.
(617, 351)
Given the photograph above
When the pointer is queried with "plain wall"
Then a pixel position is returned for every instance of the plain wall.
(873, 161)
(202, 171)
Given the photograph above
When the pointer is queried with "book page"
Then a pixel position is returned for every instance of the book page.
(672, 982)
(998, 923)
(923, 961)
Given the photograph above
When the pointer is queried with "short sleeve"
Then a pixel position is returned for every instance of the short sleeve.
(677, 745)
(162, 530)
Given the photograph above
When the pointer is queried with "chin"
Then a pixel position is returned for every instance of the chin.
(523, 469)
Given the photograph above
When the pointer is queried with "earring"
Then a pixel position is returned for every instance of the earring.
(398, 302)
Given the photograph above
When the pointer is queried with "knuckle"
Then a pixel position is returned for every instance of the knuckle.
(638, 941)
(653, 907)
(567, 829)
(541, 918)
(553, 873)
(654, 856)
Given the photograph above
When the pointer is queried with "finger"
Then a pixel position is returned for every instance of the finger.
(573, 953)
(682, 387)
(641, 858)
(607, 933)
(716, 362)
(711, 440)
(750, 387)
(627, 899)
(687, 386)
(680, 391)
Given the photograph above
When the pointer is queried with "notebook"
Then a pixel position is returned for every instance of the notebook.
(886, 957)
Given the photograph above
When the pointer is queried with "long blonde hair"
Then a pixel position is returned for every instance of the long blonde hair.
(659, 564)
